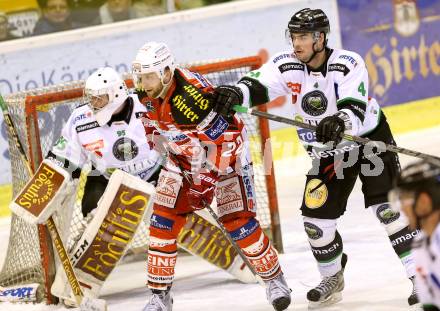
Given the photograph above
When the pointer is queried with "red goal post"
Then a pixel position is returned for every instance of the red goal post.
(38, 116)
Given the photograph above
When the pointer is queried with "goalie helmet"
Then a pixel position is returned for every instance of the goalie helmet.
(105, 81)
(153, 57)
(309, 20)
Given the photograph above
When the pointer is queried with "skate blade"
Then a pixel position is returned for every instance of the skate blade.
(332, 299)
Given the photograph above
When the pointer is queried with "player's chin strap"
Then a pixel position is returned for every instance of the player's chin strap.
(222, 228)
(376, 144)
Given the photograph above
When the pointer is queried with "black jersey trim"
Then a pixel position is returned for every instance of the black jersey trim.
(356, 106)
(259, 94)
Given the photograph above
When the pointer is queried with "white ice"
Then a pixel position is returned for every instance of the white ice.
(375, 279)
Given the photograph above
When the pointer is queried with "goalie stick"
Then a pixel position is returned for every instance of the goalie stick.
(252, 111)
(85, 303)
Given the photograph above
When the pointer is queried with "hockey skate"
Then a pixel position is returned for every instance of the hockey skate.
(413, 299)
(160, 300)
(329, 291)
(278, 293)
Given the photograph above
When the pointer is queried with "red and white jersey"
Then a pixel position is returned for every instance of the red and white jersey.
(426, 254)
(196, 135)
(340, 85)
(116, 145)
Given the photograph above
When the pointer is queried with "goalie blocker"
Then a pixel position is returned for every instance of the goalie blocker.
(43, 193)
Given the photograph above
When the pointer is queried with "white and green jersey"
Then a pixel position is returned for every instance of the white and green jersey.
(340, 85)
(116, 145)
(426, 252)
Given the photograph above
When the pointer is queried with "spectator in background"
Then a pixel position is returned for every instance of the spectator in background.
(56, 17)
(86, 11)
(144, 8)
(116, 11)
(4, 28)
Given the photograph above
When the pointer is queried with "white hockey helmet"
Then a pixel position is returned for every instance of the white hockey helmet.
(153, 57)
(105, 81)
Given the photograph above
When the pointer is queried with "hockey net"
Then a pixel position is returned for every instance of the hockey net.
(39, 116)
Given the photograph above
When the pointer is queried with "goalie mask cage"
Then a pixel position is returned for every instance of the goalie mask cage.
(39, 116)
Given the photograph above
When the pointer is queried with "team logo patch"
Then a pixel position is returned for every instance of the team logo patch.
(162, 223)
(314, 103)
(125, 149)
(243, 232)
(217, 129)
(313, 231)
(318, 197)
(386, 215)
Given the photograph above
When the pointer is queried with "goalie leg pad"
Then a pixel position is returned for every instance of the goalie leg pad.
(202, 238)
(162, 251)
(120, 212)
(326, 244)
(400, 235)
(256, 246)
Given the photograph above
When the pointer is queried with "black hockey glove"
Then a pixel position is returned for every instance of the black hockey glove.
(330, 129)
(225, 97)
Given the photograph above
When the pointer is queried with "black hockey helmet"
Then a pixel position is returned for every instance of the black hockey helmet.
(308, 20)
(418, 177)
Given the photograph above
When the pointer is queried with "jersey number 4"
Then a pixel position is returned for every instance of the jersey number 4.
(361, 89)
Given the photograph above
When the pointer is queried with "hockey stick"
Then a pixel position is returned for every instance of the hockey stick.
(224, 231)
(85, 304)
(251, 111)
